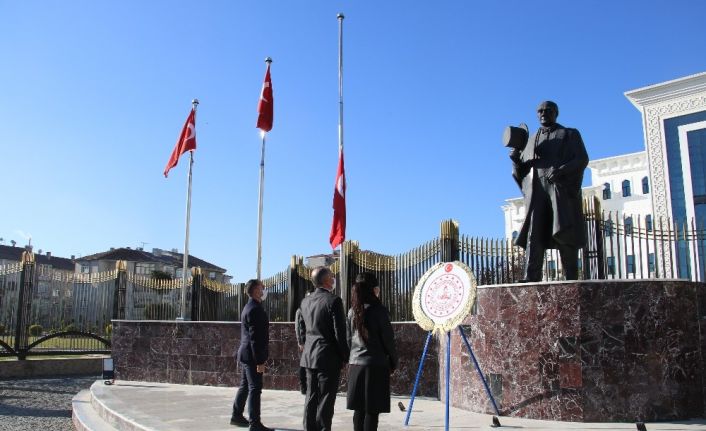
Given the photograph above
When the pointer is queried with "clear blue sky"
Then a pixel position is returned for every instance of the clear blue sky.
(94, 94)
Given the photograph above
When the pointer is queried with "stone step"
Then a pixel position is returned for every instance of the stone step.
(115, 413)
(84, 416)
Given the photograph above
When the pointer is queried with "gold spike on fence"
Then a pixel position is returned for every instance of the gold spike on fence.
(279, 278)
(217, 286)
(335, 267)
(372, 261)
(94, 277)
(151, 283)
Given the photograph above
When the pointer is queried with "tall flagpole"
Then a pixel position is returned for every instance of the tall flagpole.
(185, 267)
(340, 81)
(268, 60)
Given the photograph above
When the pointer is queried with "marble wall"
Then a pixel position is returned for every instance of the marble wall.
(584, 351)
(572, 351)
(201, 353)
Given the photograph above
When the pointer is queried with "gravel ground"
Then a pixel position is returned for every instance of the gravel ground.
(39, 404)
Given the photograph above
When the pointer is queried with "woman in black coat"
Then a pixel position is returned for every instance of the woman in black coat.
(373, 355)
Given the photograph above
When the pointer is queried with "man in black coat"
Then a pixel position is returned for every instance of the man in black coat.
(549, 170)
(252, 354)
(323, 322)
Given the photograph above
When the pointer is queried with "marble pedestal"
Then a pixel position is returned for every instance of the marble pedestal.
(589, 351)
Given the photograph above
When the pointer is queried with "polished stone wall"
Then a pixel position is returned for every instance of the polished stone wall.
(573, 351)
(201, 353)
(584, 351)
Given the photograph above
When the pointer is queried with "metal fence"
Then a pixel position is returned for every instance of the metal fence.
(45, 311)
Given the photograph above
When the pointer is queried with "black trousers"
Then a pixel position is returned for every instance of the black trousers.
(302, 379)
(365, 421)
(251, 390)
(321, 388)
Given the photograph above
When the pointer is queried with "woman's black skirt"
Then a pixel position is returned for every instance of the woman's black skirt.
(368, 388)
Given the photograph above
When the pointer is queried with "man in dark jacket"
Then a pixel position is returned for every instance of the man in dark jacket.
(252, 354)
(549, 170)
(323, 321)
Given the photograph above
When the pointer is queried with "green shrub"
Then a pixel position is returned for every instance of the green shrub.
(109, 329)
(70, 327)
(2, 329)
(35, 330)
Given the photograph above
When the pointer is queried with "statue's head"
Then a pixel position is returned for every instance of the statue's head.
(547, 112)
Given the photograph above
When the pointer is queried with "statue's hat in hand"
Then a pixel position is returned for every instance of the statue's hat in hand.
(516, 137)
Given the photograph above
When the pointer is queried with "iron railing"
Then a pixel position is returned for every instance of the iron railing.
(43, 310)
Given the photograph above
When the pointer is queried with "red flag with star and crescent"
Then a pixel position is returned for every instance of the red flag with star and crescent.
(338, 227)
(186, 142)
(265, 107)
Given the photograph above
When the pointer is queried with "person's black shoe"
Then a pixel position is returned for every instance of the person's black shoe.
(239, 421)
(258, 426)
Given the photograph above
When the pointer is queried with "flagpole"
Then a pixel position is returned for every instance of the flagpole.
(259, 207)
(340, 81)
(185, 267)
(268, 60)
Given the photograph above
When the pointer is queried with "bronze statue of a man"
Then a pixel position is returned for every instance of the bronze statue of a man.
(549, 170)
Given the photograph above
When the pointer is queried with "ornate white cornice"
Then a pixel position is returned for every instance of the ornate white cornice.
(667, 91)
(619, 164)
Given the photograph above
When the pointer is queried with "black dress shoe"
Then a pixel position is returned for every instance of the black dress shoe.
(258, 426)
(239, 421)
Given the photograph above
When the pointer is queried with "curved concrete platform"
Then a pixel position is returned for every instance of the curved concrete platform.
(138, 406)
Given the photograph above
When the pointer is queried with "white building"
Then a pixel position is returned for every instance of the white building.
(621, 183)
(674, 124)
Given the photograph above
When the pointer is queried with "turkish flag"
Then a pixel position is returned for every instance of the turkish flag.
(186, 142)
(338, 228)
(265, 107)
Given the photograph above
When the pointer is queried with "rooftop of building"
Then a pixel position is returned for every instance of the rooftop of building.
(157, 255)
(15, 253)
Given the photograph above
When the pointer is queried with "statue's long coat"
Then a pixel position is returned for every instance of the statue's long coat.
(562, 151)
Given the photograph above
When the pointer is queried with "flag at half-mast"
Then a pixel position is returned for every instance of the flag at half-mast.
(265, 107)
(338, 227)
(186, 141)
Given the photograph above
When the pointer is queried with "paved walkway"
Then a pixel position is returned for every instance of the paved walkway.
(161, 406)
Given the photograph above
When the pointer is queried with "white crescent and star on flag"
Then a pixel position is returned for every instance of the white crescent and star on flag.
(191, 132)
(340, 186)
(262, 93)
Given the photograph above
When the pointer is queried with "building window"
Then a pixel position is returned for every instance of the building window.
(631, 264)
(144, 268)
(514, 235)
(651, 262)
(645, 186)
(608, 227)
(648, 222)
(212, 275)
(628, 226)
(626, 188)
(86, 269)
(611, 265)
(606, 191)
